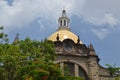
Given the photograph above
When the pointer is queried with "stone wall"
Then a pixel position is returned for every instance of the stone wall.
(81, 56)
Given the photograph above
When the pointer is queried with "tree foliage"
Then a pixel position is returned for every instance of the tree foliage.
(117, 78)
(114, 71)
(28, 59)
(3, 36)
(71, 78)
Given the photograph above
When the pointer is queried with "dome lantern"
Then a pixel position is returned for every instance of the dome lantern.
(63, 21)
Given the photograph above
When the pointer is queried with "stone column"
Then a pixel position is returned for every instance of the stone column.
(76, 70)
(62, 67)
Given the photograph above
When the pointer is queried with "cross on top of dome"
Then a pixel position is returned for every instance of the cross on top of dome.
(64, 13)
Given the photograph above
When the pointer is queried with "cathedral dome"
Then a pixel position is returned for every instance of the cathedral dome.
(64, 34)
(63, 31)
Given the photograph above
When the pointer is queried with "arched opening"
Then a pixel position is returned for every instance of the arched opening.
(82, 73)
(73, 69)
(64, 22)
(69, 69)
(61, 23)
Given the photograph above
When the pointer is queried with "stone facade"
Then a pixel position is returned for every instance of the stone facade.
(83, 57)
(74, 57)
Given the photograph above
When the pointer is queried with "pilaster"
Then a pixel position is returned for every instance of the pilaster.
(76, 70)
(62, 67)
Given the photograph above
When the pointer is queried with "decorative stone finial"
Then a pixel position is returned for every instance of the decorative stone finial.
(57, 37)
(91, 47)
(91, 50)
(78, 41)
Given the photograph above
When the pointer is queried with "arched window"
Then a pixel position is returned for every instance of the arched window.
(64, 22)
(69, 69)
(61, 23)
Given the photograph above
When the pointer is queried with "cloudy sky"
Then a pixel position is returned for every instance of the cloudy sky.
(95, 21)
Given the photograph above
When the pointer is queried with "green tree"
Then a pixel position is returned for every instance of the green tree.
(40, 60)
(3, 36)
(28, 58)
(9, 59)
(117, 78)
(71, 78)
(113, 69)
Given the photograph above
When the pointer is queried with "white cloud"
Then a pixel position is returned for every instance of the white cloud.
(107, 19)
(100, 12)
(22, 12)
(42, 27)
(103, 14)
(101, 33)
(110, 20)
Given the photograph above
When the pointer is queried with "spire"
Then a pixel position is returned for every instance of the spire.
(63, 21)
(91, 50)
(91, 47)
(64, 13)
(16, 39)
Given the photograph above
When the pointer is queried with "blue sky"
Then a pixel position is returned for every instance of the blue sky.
(95, 21)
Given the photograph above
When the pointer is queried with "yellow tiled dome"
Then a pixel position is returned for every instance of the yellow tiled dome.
(64, 34)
